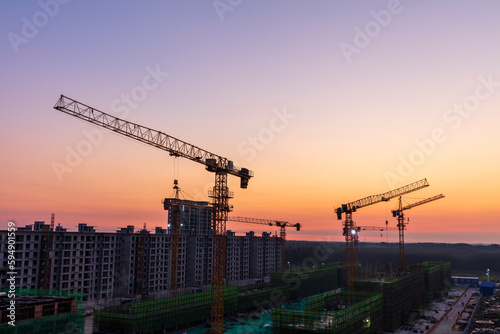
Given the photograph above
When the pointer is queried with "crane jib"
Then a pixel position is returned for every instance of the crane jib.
(396, 213)
(221, 194)
(175, 147)
(353, 206)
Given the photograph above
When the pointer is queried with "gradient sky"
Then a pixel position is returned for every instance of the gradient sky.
(416, 95)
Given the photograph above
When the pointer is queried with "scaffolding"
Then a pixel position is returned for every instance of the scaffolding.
(348, 312)
(400, 295)
(317, 302)
(342, 274)
(163, 314)
(307, 281)
(44, 312)
(437, 277)
(263, 299)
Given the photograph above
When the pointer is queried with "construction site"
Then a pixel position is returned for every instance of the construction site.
(326, 298)
(232, 166)
(329, 298)
(304, 301)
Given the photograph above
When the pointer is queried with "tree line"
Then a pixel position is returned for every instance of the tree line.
(465, 259)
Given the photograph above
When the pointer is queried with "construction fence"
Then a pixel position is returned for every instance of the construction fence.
(165, 314)
(346, 312)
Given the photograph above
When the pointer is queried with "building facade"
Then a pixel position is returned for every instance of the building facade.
(468, 282)
(195, 216)
(130, 262)
(81, 261)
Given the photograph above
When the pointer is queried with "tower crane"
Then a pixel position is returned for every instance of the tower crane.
(281, 224)
(221, 166)
(176, 227)
(350, 232)
(399, 213)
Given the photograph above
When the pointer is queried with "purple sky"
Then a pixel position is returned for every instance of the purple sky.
(327, 101)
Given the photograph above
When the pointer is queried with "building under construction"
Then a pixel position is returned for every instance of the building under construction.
(305, 300)
(309, 281)
(374, 305)
(332, 312)
(192, 309)
(409, 291)
(131, 263)
(42, 311)
(164, 314)
(366, 307)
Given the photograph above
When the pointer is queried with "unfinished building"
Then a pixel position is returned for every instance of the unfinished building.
(307, 281)
(384, 304)
(164, 314)
(346, 312)
(42, 311)
(404, 293)
(319, 303)
(131, 263)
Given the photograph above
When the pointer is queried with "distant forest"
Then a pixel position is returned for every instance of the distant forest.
(465, 259)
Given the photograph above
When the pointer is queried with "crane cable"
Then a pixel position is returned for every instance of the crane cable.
(176, 168)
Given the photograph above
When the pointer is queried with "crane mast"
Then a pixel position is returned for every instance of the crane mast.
(399, 213)
(176, 227)
(281, 224)
(349, 230)
(221, 166)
